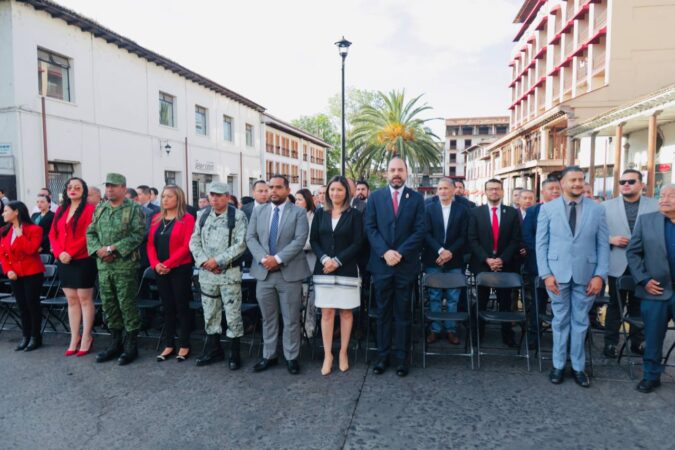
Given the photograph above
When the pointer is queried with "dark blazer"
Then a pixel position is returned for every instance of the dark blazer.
(480, 238)
(46, 225)
(344, 242)
(530, 238)
(436, 237)
(248, 209)
(359, 205)
(21, 256)
(403, 232)
(648, 256)
(468, 203)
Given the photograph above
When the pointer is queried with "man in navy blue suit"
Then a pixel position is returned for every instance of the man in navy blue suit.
(550, 190)
(447, 222)
(395, 228)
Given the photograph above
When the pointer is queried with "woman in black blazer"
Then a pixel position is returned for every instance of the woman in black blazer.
(44, 218)
(336, 237)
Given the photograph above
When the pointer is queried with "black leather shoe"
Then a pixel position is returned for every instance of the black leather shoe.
(34, 343)
(556, 376)
(402, 370)
(380, 366)
(23, 343)
(293, 366)
(581, 378)
(647, 386)
(265, 364)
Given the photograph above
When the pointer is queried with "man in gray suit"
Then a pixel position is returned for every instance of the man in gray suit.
(622, 213)
(572, 249)
(651, 258)
(276, 237)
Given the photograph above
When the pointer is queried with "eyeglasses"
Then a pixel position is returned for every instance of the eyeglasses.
(631, 182)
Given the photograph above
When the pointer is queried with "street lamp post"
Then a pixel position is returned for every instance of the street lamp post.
(343, 48)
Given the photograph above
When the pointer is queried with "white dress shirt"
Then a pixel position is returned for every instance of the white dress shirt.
(445, 209)
(499, 212)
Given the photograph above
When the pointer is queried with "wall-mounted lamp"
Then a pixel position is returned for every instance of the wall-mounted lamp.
(166, 147)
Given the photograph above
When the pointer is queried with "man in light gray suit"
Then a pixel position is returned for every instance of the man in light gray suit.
(276, 237)
(573, 259)
(622, 213)
(651, 258)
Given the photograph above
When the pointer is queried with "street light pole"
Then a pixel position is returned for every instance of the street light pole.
(343, 48)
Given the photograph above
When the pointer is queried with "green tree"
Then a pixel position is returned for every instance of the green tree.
(393, 129)
(323, 126)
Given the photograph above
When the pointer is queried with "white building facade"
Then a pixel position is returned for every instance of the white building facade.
(111, 105)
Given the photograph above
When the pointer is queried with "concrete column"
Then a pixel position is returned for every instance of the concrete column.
(591, 167)
(617, 158)
(651, 154)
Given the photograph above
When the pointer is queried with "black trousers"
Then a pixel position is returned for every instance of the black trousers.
(613, 315)
(393, 296)
(27, 293)
(531, 311)
(175, 290)
(504, 297)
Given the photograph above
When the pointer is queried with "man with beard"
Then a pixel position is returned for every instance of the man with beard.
(395, 226)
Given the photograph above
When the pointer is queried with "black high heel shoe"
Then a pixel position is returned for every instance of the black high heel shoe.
(23, 343)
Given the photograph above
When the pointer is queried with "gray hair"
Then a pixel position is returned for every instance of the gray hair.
(668, 186)
(95, 189)
(450, 181)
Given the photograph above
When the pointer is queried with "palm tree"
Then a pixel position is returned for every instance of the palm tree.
(395, 129)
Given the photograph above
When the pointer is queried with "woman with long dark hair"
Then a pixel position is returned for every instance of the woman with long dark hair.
(305, 199)
(77, 270)
(20, 242)
(169, 255)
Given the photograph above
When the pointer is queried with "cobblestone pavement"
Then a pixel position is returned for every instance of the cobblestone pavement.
(50, 401)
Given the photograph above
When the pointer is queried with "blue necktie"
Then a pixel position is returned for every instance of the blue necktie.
(274, 230)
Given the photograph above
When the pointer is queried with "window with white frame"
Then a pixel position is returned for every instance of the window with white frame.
(249, 135)
(167, 104)
(200, 121)
(227, 128)
(54, 75)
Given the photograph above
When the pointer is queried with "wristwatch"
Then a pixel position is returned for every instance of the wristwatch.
(109, 250)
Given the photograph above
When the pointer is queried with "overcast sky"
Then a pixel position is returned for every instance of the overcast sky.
(281, 54)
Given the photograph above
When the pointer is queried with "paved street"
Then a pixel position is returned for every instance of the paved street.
(50, 401)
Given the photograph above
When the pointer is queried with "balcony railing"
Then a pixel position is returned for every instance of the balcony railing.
(270, 148)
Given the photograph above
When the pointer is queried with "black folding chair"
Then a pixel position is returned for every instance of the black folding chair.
(50, 300)
(150, 303)
(627, 283)
(502, 280)
(445, 281)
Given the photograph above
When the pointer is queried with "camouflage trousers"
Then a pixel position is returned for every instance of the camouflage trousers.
(217, 298)
(118, 295)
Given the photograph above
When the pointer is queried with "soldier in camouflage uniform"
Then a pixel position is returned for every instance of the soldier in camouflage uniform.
(215, 253)
(113, 238)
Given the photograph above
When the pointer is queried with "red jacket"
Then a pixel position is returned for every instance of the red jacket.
(22, 256)
(179, 242)
(63, 239)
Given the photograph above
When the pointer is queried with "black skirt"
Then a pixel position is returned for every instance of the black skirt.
(79, 274)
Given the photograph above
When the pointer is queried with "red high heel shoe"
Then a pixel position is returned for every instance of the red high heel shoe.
(70, 352)
(86, 352)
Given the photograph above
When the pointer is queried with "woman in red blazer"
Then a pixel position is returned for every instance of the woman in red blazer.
(77, 270)
(20, 242)
(169, 254)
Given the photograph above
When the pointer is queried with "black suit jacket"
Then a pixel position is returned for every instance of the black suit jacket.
(453, 240)
(344, 242)
(481, 242)
(465, 201)
(530, 238)
(403, 232)
(46, 225)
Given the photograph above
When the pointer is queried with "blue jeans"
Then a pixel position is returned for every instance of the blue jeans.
(436, 298)
(656, 314)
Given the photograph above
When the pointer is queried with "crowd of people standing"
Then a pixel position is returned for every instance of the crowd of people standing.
(342, 237)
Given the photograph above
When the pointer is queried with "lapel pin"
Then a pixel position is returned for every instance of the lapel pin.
(407, 195)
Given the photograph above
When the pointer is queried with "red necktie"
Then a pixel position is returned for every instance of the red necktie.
(395, 201)
(495, 230)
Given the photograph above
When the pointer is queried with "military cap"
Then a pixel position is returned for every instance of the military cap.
(218, 188)
(116, 179)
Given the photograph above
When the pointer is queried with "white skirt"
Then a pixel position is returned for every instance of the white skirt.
(332, 291)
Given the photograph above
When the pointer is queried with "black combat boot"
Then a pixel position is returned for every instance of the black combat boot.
(130, 348)
(234, 362)
(114, 349)
(213, 352)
